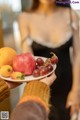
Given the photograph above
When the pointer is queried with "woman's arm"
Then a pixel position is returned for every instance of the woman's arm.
(76, 50)
(35, 100)
(5, 87)
(38, 91)
(4, 90)
(24, 31)
(73, 97)
(33, 104)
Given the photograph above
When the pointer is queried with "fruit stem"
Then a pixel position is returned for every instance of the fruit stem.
(52, 54)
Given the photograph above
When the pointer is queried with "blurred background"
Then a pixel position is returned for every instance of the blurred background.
(10, 36)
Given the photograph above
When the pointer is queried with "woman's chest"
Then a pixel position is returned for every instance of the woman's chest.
(52, 28)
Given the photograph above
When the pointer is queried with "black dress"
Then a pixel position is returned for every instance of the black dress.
(62, 85)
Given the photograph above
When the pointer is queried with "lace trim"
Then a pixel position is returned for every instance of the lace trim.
(48, 44)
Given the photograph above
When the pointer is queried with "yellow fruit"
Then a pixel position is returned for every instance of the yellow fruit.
(6, 70)
(6, 56)
(17, 75)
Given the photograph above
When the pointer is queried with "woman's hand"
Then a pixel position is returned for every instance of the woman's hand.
(73, 101)
(12, 84)
(49, 80)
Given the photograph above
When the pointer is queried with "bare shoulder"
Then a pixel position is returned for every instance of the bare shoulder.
(68, 11)
(24, 16)
(65, 11)
(75, 15)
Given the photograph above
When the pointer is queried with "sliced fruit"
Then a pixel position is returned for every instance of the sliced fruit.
(17, 75)
(6, 70)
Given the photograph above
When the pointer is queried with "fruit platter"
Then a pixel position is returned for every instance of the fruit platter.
(25, 66)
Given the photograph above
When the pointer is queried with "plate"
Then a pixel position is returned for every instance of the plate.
(30, 77)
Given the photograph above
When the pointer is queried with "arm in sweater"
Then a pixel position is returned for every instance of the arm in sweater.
(34, 102)
(4, 90)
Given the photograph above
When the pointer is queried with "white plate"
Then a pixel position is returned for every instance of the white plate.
(31, 77)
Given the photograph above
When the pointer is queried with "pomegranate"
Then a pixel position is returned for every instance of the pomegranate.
(24, 63)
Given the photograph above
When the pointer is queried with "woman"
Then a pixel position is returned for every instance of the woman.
(34, 102)
(46, 28)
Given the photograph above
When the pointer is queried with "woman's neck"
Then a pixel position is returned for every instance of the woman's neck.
(46, 9)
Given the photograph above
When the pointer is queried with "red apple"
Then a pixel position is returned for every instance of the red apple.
(24, 63)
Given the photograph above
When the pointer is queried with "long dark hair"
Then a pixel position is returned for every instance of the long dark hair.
(62, 3)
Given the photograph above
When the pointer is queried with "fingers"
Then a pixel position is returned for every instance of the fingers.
(52, 78)
(49, 80)
(74, 116)
(12, 85)
(74, 104)
(74, 109)
(74, 112)
(68, 104)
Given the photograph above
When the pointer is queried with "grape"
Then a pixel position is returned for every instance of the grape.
(49, 68)
(36, 73)
(37, 66)
(39, 61)
(43, 71)
(54, 59)
(47, 62)
(40, 67)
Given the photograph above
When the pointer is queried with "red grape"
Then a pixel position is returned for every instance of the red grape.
(47, 62)
(49, 68)
(39, 61)
(54, 59)
(37, 66)
(43, 71)
(36, 73)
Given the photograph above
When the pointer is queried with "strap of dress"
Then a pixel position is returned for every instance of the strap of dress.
(72, 23)
(71, 19)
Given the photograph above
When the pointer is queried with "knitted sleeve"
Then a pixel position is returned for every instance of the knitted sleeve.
(33, 103)
(36, 91)
(4, 90)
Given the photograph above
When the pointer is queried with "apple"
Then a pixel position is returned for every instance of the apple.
(24, 63)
